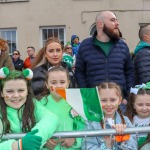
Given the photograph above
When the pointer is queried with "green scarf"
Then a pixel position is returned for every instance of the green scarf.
(140, 46)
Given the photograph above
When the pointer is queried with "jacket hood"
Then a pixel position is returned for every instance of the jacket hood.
(140, 46)
(73, 37)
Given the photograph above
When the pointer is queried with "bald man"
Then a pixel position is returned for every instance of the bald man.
(142, 56)
(105, 57)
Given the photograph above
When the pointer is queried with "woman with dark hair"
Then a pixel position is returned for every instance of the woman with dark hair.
(20, 113)
(50, 55)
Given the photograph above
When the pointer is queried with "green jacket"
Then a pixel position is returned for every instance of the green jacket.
(66, 123)
(46, 123)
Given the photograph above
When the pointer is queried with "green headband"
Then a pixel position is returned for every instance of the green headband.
(27, 73)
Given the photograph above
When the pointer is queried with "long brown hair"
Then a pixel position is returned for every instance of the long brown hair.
(112, 85)
(40, 58)
(27, 110)
(130, 111)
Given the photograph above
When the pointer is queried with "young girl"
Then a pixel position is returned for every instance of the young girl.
(138, 110)
(20, 113)
(110, 96)
(50, 55)
(58, 77)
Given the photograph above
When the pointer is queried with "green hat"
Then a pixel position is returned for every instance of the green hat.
(68, 60)
(4, 72)
(68, 43)
(28, 73)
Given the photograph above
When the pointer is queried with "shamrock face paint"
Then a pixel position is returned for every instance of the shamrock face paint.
(7, 98)
(15, 93)
(117, 106)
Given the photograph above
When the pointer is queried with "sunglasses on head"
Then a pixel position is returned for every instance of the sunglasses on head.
(15, 54)
(69, 47)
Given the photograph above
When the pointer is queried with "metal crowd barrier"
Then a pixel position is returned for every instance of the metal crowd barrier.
(93, 133)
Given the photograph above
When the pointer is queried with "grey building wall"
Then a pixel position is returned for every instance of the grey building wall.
(77, 15)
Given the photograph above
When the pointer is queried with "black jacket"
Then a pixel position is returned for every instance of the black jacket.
(39, 76)
(18, 64)
(142, 65)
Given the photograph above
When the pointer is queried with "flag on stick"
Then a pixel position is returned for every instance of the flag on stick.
(85, 101)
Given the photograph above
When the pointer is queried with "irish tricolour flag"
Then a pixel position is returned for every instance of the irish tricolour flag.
(85, 101)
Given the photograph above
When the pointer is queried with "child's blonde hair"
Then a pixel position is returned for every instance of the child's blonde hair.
(112, 85)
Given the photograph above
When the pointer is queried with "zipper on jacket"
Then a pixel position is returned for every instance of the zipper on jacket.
(106, 61)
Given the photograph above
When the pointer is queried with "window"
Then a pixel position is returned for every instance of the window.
(58, 32)
(10, 36)
(92, 29)
(143, 24)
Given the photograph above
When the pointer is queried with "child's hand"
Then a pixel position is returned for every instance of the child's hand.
(109, 140)
(67, 142)
(51, 143)
(120, 128)
(124, 101)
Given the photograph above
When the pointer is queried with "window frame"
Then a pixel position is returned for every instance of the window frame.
(12, 1)
(42, 40)
(6, 30)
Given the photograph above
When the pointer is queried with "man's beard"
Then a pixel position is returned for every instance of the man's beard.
(112, 35)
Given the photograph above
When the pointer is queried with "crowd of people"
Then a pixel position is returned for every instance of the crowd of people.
(30, 102)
